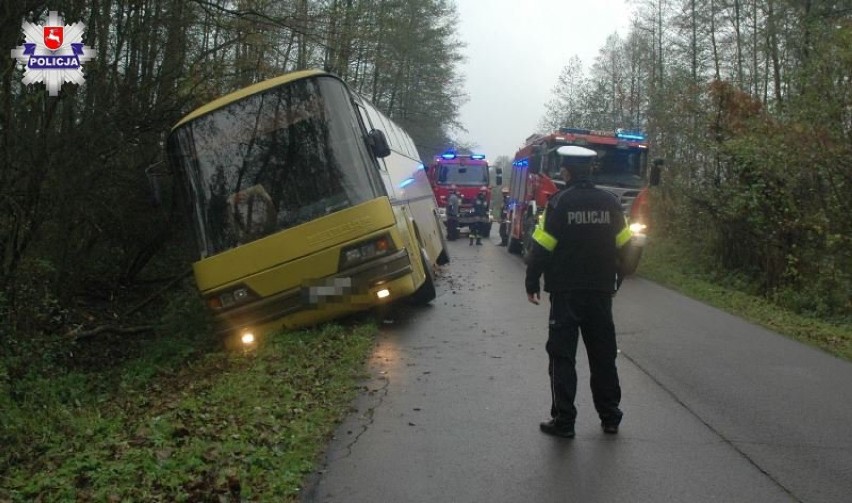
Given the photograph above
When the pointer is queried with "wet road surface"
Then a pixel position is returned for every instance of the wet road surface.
(716, 409)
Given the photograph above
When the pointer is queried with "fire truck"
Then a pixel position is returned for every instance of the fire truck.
(620, 167)
(468, 174)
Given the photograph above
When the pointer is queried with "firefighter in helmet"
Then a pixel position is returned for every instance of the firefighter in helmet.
(453, 205)
(480, 216)
(504, 217)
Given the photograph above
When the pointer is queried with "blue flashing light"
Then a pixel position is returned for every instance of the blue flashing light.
(449, 154)
(629, 135)
(405, 183)
(477, 156)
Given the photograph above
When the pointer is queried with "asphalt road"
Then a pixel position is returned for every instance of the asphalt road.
(716, 409)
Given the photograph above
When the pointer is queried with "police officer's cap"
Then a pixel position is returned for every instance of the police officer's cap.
(576, 159)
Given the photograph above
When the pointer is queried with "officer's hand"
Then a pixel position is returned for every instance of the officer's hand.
(533, 298)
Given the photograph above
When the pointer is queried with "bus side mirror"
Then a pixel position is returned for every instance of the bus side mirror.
(378, 143)
(499, 173)
(654, 178)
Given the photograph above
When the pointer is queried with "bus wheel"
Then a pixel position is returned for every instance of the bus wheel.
(443, 257)
(426, 293)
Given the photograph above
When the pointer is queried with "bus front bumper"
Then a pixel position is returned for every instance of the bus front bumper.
(316, 300)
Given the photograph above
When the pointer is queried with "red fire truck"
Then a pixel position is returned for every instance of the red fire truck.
(621, 167)
(468, 174)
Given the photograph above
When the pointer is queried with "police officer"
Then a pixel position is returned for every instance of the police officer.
(480, 217)
(453, 205)
(577, 247)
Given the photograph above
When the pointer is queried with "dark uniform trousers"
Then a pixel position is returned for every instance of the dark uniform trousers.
(588, 313)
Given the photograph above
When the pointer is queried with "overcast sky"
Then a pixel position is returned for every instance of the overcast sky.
(515, 52)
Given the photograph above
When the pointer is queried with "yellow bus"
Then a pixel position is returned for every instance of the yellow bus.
(307, 203)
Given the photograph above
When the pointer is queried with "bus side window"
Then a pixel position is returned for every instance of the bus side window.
(365, 117)
(411, 148)
(390, 133)
(403, 145)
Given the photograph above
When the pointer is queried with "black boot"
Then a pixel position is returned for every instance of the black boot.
(557, 429)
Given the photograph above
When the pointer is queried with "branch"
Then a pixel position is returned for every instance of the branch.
(159, 292)
(76, 334)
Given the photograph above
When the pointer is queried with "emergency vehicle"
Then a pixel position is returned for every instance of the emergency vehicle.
(621, 167)
(467, 174)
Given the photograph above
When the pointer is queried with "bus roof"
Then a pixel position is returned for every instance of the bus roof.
(245, 92)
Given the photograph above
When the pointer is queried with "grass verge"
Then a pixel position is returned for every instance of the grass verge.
(665, 263)
(218, 426)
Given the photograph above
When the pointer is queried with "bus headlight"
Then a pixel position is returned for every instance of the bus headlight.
(365, 250)
(637, 228)
(233, 297)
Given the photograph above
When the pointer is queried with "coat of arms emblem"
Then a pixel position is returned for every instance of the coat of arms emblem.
(53, 37)
(53, 53)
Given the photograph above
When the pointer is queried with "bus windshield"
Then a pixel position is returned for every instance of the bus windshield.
(272, 161)
(476, 174)
(613, 167)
